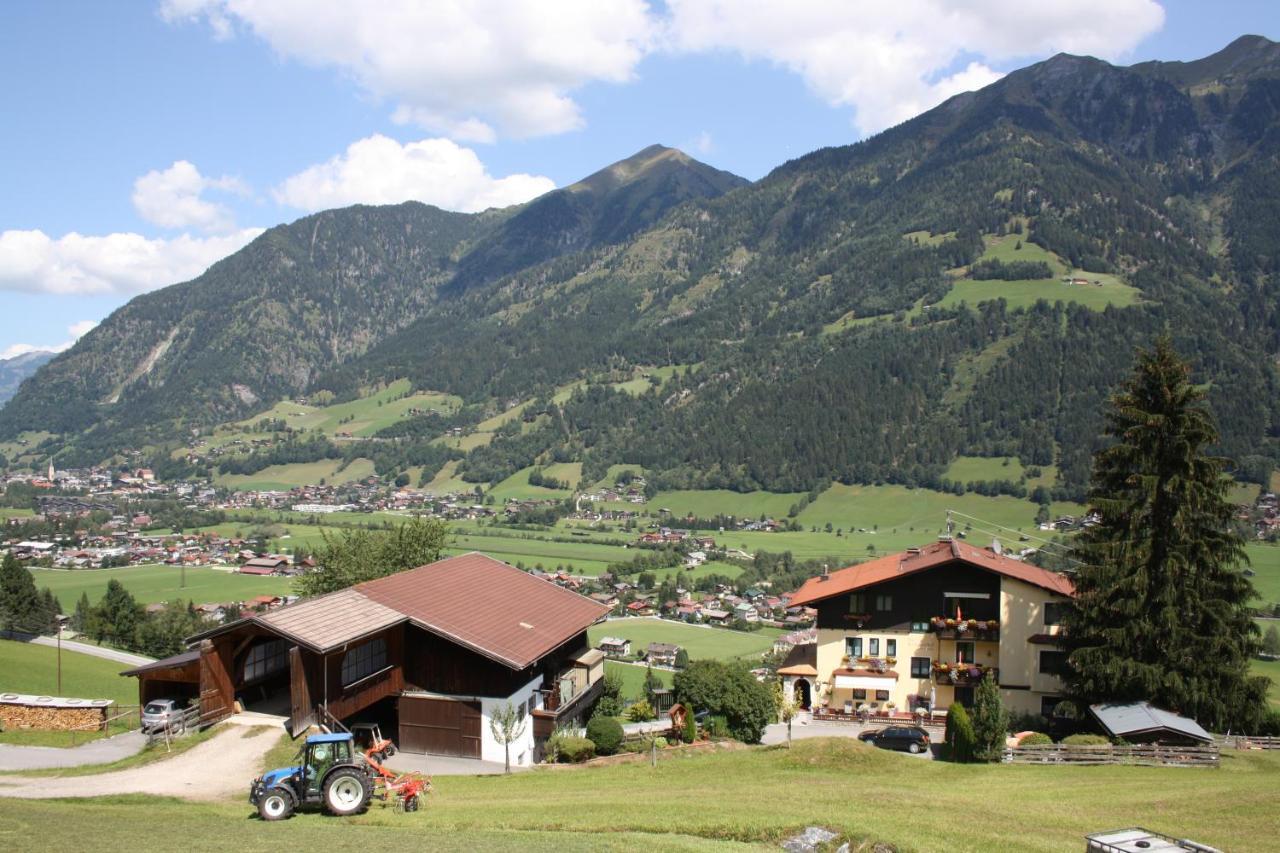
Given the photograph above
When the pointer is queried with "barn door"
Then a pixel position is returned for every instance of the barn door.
(215, 684)
(303, 710)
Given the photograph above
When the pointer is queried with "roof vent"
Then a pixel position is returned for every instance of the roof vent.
(826, 573)
(996, 547)
(526, 625)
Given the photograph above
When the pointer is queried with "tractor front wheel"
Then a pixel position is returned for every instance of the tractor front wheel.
(347, 791)
(276, 804)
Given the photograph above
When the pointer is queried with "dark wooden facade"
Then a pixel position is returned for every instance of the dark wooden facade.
(916, 597)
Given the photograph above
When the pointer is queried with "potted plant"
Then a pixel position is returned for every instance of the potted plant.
(938, 623)
(993, 624)
(889, 707)
(950, 623)
(961, 627)
(973, 624)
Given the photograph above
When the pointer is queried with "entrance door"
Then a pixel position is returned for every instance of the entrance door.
(964, 695)
(803, 694)
(440, 726)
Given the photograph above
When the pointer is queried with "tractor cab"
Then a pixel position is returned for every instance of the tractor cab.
(327, 771)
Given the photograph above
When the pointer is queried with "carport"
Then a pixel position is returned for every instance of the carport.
(176, 677)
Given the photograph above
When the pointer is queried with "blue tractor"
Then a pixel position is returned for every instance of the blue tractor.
(329, 772)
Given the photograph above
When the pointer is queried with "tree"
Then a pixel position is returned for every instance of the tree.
(1271, 641)
(80, 619)
(360, 555)
(990, 721)
(682, 658)
(652, 683)
(163, 634)
(786, 713)
(730, 691)
(507, 725)
(958, 737)
(20, 605)
(1161, 608)
(117, 616)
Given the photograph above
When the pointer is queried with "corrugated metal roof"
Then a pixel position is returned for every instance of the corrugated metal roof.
(916, 560)
(1141, 717)
(175, 662)
(497, 610)
(330, 620)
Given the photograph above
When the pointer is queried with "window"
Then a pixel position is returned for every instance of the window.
(364, 660)
(857, 603)
(874, 644)
(1053, 612)
(859, 695)
(919, 626)
(891, 648)
(920, 667)
(964, 653)
(853, 647)
(1053, 663)
(882, 695)
(884, 602)
(1048, 704)
(266, 658)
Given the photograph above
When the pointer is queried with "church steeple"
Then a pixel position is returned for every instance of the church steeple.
(50, 469)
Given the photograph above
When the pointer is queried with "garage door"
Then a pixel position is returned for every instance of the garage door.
(440, 726)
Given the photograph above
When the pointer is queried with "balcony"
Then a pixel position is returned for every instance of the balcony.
(963, 674)
(965, 629)
(575, 686)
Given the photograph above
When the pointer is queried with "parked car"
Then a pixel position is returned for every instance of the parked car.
(159, 713)
(911, 739)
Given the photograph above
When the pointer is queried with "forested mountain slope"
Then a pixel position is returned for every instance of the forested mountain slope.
(972, 281)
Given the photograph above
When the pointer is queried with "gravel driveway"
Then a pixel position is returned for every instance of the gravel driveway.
(221, 767)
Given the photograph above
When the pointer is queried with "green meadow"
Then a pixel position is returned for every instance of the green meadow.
(153, 584)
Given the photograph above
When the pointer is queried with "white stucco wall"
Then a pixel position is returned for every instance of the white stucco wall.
(521, 750)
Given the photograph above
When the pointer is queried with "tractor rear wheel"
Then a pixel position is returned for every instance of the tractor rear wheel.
(276, 804)
(347, 791)
(411, 803)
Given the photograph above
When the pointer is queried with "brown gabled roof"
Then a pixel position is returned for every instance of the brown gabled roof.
(497, 610)
(918, 559)
(331, 620)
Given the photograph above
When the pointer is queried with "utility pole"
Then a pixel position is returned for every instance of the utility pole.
(60, 621)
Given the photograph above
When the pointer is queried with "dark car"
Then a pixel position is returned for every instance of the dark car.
(911, 739)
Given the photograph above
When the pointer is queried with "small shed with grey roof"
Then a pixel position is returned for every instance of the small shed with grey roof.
(1142, 722)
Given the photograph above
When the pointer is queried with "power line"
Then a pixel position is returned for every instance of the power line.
(992, 528)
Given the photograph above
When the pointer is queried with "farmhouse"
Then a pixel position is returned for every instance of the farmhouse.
(615, 647)
(272, 564)
(923, 627)
(430, 653)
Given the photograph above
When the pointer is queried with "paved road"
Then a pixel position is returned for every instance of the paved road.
(221, 767)
(443, 765)
(101, 751)
(97, 651)
(804, 728)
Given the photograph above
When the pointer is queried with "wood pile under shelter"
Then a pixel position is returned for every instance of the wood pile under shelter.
(52, 713)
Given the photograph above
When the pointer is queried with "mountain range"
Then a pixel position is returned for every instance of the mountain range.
(973, 281)
(16, 369)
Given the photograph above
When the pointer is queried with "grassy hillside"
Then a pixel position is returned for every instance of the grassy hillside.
(1265, 562)
(285, 477)
(27, 668)
(725, 801)
(150, 584)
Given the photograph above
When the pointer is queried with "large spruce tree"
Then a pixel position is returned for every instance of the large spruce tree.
(1161, 603)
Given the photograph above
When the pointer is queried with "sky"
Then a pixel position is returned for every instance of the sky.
(145, 139)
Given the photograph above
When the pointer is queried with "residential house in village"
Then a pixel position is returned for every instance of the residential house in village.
(923, 627)
(662, 654)
(615, 647)
(430, 654)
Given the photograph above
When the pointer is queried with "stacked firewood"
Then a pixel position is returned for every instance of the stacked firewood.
(50, 718)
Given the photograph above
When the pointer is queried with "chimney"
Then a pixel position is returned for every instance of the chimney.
(826, 573)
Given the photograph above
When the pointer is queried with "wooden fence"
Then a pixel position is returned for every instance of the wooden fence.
(1247, 742)
(184, 723)
(1147, 755)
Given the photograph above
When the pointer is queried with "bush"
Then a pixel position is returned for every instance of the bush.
(660, 742)
(641, 712)
(690, 725)
(730, 691)
(1025, 722)
(958, 739)
(1036, 739)
(605, 733)
(1085, 740)
(574, 750)
(607, 706)
(717, 726)
(989, 721)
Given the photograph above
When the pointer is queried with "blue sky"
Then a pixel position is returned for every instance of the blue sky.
(143, 140)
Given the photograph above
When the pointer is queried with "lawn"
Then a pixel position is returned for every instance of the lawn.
(712, 502)
(1025, 293)
(151, 584)
(699, 641)
(720, 800)
(31, 669)
(633, 678)
(516, 487)
(969, 469)
(1271, 669)
(1265, 562)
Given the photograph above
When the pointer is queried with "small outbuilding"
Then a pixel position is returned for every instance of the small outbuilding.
(1142, 722)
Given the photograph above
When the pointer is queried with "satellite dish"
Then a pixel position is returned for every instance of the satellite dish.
(997, 547)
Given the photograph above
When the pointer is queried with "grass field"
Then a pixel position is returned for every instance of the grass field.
(516, 487)
(27, 668)
(712, 502)
(361, 417)
(1265, 562)
(967, 469)
(285, 477)
(699, 641)
(151, 584)
(633, 678)
(1271, 669)
(718, 801)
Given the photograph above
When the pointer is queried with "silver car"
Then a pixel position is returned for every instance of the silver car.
(159, 713)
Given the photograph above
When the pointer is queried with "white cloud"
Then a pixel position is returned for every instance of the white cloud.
(379, 170)
(124, 263)
(457, 67)
(888, 59)
(700, 144)
(172, 199)
(75, 330)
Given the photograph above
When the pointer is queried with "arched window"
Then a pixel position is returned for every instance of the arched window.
(364, 660)
(266, 658)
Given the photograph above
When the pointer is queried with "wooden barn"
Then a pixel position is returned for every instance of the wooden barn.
(429, 653)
